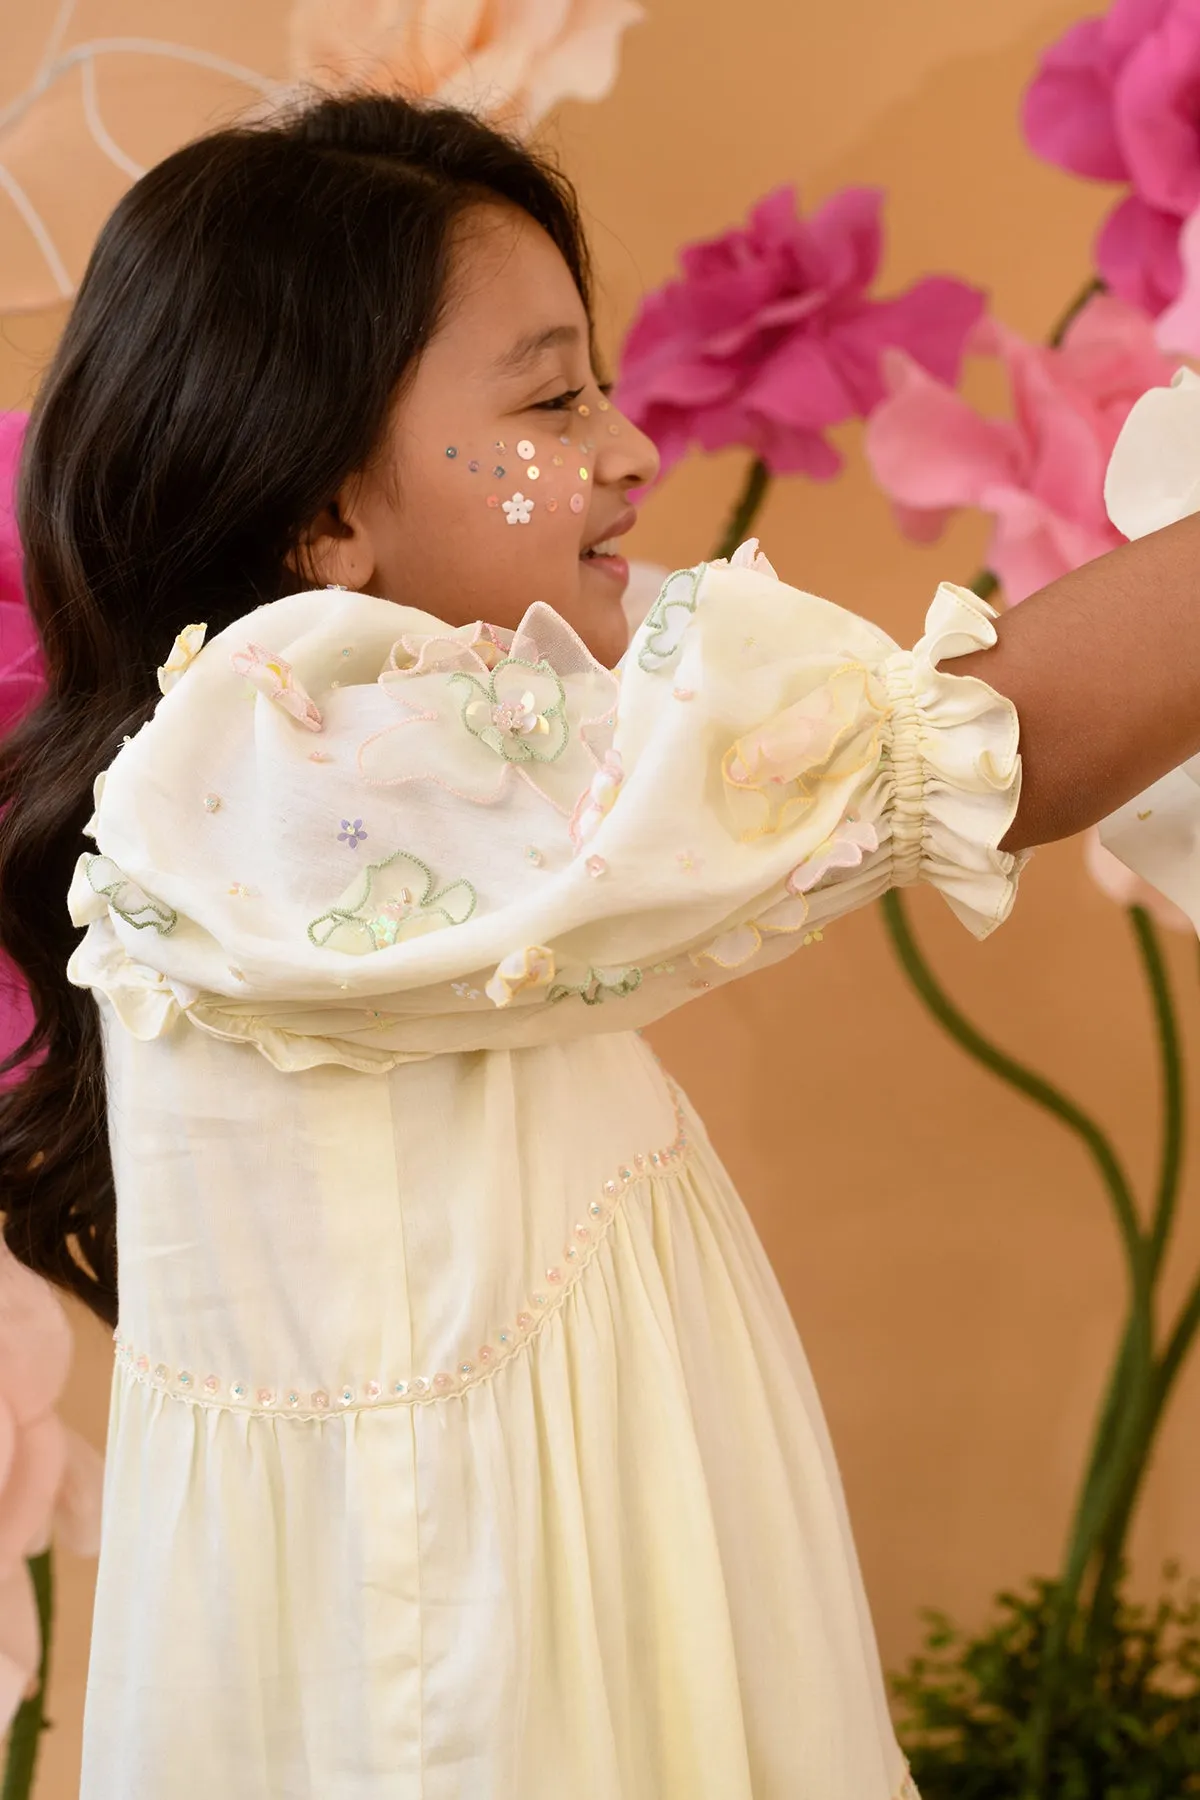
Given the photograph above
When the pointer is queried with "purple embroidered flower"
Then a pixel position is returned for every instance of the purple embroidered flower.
(351, 833)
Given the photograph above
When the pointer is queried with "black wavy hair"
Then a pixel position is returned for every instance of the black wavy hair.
(249, 313)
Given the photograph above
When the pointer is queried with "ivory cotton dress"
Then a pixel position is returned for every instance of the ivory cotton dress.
(462, 1446)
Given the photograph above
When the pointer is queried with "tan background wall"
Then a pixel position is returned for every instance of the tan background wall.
(945, 1249)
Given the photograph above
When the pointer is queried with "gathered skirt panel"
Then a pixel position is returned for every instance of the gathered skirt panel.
(619, 1568)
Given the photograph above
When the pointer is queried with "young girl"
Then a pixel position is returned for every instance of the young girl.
(461, 1444)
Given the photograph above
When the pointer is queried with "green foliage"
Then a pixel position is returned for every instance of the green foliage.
(1127, 1721)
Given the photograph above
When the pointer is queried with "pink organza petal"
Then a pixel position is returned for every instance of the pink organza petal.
(1068, 114)
(1137, 253)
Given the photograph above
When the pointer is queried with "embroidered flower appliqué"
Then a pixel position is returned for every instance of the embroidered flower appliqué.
(274, 678)
(598, 800)
(388, 903)
(843, 849)
(528, 968)
(126, 897)
(599, 985)
(352, 833)
(519, 711)
(184, 651)
(772, 773)
(482, 712)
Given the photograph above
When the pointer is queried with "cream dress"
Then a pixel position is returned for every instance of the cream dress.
(462, 1446)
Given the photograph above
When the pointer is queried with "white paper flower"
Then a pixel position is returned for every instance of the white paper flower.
(517, 510)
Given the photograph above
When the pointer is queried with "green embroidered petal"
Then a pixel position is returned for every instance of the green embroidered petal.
(389, 902)
(664, 628)
(600, 985)
(129, 901)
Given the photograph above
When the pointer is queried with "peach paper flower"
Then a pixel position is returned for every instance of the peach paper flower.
(50, 1479)
(513, 59)
(1039, 474)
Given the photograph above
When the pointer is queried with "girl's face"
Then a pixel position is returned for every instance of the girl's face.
(505, 475)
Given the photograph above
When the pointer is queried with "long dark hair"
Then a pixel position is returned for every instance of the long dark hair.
(246, 320)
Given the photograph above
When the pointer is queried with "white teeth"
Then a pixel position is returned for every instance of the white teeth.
(608, 548)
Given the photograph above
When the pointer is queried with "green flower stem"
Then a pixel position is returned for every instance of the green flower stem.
(1089, 290)
(1032, 1085)
(745, 509)
(24, 1739)
(1171, 1063)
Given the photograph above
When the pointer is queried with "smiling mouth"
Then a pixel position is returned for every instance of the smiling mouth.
(606, 547)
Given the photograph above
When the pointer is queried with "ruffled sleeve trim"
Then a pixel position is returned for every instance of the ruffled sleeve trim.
(953, 744)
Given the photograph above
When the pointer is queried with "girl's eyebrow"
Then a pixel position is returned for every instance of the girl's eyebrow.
(527, 349)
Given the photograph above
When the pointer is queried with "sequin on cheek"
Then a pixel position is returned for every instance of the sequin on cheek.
(498, 471)
(583, 474)
(211, 802)
(557, 461)
(526, 450)
(576, 502)
(451, 452)
(473, 467)
(603, 406)
(533, 472)
(552, 506)
(614, 431)
(585, 412)
(493, 500)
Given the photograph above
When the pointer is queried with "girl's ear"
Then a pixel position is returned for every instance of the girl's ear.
(336, 550)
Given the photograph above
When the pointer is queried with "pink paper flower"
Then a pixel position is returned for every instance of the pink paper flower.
(510, 58)
(770, 338)
(1114, 99)
(20, 685)
(20, 661)
(50, 1479)
(1127, 889)
(1040, 474)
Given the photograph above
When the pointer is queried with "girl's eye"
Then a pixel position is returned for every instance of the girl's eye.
(560, 403)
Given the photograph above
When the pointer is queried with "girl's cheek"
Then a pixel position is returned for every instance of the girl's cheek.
(535, 482)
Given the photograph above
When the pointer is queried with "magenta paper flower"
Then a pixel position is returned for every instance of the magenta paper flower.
(770, 338)
(20, 685)
(50, 1479)
(1040, 474)
(1115, 99)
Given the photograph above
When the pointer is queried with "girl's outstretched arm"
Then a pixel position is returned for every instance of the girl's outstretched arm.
(1103, 667)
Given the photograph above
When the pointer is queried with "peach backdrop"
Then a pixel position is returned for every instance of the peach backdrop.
(945, 1248)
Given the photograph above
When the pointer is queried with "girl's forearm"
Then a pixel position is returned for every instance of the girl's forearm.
(1103, 667)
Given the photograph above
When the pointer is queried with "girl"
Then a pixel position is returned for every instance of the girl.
(461, 1444)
